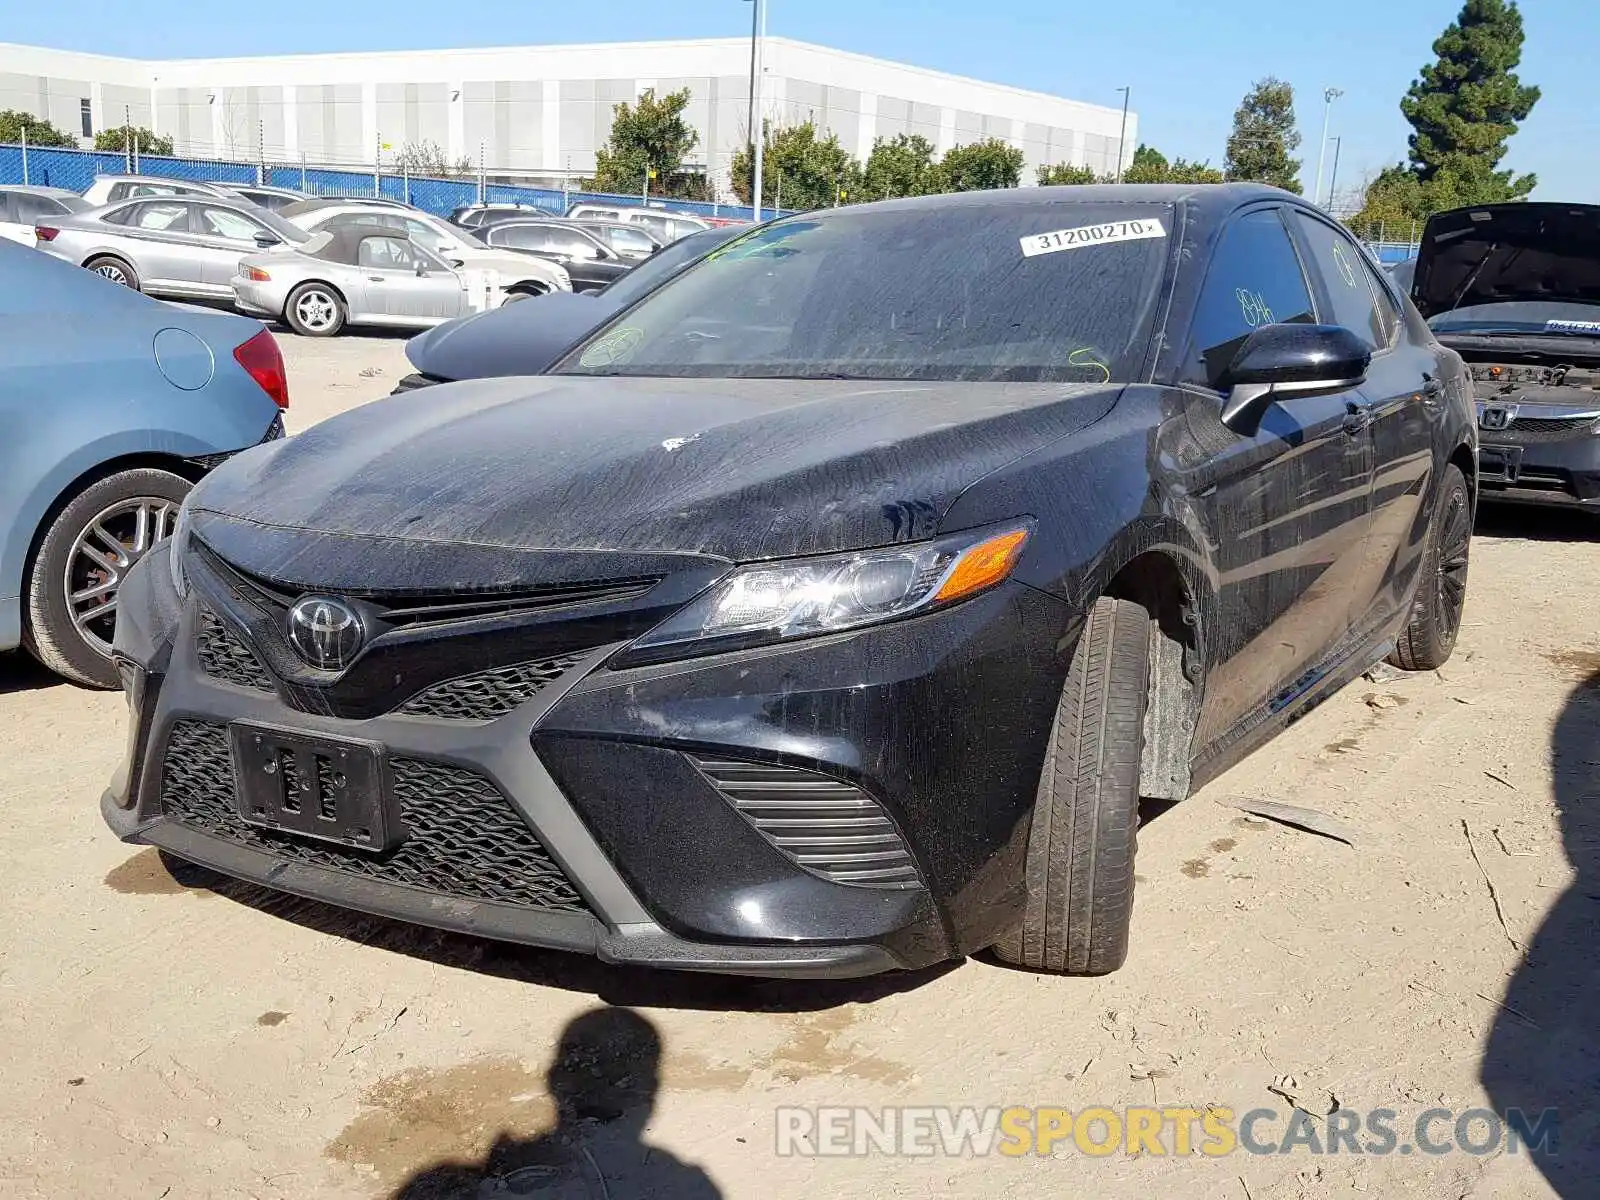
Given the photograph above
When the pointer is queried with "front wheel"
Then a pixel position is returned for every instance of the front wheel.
(1430, 635)
(82, 560)
(1079, 873)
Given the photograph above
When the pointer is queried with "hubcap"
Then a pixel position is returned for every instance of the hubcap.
(1455, 543)
(101, 556)
(112, 272)
(316, 310)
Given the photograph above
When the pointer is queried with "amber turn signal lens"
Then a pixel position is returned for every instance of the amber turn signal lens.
(985, 565)
(257, 275)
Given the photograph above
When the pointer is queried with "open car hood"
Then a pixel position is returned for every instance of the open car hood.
(1509, 254)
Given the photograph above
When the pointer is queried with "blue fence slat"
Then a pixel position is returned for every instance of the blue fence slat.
(76, 170)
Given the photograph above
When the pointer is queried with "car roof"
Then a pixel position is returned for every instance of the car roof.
(344, 242)
(32, 189)
(1212, 198)
(322, 203)
(197, 184)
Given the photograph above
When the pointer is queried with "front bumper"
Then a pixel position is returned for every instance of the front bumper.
(265, 301)
(620, 843)
(1546, 464)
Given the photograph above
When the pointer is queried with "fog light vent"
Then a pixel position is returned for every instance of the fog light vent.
(829, 827)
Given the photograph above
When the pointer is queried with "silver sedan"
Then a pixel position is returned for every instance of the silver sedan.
(184, 247)
(361, 275)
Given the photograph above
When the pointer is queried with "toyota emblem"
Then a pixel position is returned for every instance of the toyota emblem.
(327, 633)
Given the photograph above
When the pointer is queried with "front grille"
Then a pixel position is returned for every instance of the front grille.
(223, 656)
(829, 827)
(489, 694)
(1550, 429)
(463, 838)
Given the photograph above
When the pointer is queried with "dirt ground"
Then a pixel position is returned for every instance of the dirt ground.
(169, 1034)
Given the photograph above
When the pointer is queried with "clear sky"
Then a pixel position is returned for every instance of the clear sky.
(1188, 64)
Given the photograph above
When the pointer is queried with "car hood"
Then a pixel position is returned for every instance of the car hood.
(733, 469)
(1508, 253)
(513, 264)
(521, 338)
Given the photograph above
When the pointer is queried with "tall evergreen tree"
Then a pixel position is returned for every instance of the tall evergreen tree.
(1264, 137)
(1465, 106)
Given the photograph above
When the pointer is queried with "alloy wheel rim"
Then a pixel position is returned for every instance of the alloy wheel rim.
(112, 272)
(315, 310)
(1455, 543)
(102, 555)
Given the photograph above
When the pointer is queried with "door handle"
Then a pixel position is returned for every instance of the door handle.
(1357, 417)
(374, 278)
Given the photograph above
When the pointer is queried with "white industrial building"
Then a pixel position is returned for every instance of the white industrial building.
(540, 110)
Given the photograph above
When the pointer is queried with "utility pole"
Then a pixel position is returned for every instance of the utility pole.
(1122, 137)
(750, 126)
(1329, 95)
(760, 133)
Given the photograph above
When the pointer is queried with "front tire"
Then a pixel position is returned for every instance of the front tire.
(315, 310)
(1430, 635)
(80, 565)
(1079, 874)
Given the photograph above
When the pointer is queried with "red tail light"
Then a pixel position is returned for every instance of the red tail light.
(44, 233)
(261, 358)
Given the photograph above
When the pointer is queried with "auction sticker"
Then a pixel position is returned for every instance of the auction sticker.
(1572, 327)
(1092, 235)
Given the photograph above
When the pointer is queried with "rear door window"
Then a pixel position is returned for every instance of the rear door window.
(1255, 279)
(162, 217)
(30, 208)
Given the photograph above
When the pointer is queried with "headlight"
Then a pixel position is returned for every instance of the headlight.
(771, 601)
(180, 543)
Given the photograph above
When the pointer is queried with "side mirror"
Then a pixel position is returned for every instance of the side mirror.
(1280, 361)
(422, 269)
(456, 262)
(268, 240)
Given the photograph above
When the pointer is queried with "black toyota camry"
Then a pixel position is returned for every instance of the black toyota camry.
(830, 609)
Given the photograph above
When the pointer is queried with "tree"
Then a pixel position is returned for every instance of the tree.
(40, 131)
(1264, 137)
(799, 170)
(900, 166)
(1463, 109)
(1065, 173)
(1465, 106)
(145, 141)
(429, 158)
(1149, 166)
(978, 166)
(650, 135)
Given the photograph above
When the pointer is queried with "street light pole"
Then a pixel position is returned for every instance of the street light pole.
(755, 30)
(1333, 181)
(758, 133)
(1329, 95)
(1122, 137)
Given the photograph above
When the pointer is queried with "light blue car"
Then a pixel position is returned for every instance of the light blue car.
(112, 405)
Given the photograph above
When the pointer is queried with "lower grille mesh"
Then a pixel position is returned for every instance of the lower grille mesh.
(831, 828)
(489, 694)
(223, 656)
(463, 836)
(1550, 429)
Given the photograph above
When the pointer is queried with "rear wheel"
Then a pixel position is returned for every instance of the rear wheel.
(81, 563)
(1430, 636)
(1086, 816)
(315, 310)
(114, 269)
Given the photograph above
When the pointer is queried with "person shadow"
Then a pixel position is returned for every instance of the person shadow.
(603, 1080)
(1543, 1051)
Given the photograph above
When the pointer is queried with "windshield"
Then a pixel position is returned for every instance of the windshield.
(1002, 291)
(664, 264)
(1522, 318)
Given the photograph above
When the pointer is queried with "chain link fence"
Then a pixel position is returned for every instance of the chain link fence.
(75, 170)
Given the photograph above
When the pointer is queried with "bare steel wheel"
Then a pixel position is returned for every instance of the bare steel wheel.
(315, 310)
(82, 562)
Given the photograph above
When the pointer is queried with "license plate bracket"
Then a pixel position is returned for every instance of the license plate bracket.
(1499, 464)
(336, 790)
